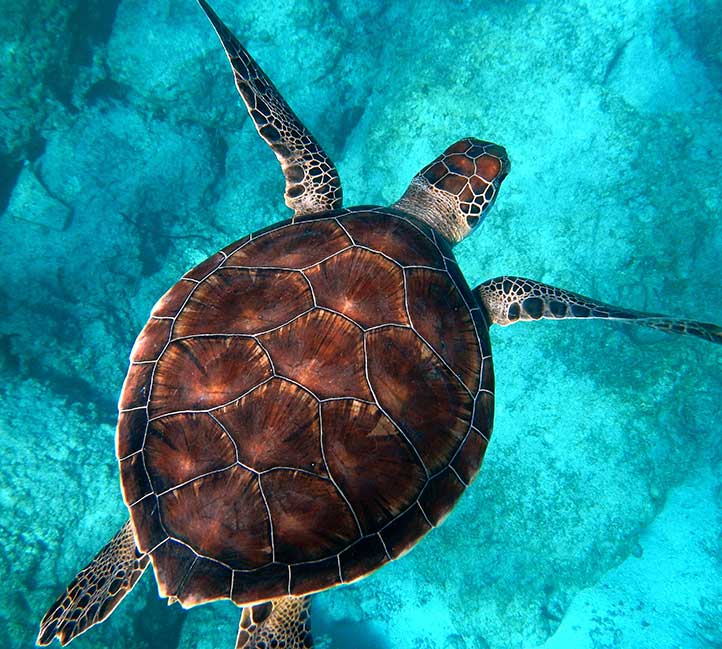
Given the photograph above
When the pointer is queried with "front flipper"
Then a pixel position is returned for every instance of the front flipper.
(285, 622)
(96, 591)
(312, 182)
(515, 299)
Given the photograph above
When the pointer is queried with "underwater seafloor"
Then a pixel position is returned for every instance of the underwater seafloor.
(125, 158)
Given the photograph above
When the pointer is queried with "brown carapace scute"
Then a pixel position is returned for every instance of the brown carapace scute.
(456, 189)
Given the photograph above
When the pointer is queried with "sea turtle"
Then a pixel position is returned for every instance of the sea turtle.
(303, 406)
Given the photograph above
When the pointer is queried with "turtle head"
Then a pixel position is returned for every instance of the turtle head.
(454, 192)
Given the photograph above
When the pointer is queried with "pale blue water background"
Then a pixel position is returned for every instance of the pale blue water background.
(125, 158)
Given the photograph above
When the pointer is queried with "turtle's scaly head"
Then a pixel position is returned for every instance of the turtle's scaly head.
(454, 192)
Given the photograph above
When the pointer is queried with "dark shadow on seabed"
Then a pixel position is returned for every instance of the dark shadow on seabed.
(346, 633)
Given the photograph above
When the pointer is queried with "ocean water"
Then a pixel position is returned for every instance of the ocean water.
(125, 158)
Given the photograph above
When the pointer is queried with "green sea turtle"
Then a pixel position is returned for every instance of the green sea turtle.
(306, 404)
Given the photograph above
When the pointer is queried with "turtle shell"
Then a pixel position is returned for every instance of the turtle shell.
(302, 407)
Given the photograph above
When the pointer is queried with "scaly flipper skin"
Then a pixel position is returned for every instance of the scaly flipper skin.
(96, 591)
(312, 182)
(284, 622)
(516, 299)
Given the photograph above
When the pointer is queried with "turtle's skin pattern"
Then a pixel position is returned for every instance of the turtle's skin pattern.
(96, 590)
(303, 406)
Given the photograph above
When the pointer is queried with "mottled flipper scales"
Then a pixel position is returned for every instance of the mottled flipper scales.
(284, 622)
(516, 299)
(312, 182)
(96, 591)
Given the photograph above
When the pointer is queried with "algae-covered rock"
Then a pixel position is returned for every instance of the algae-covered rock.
(698, 25)
(46, 46)
(668, 593)
(155, 53)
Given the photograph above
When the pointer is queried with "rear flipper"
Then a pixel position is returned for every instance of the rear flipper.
(514, 299)
(96, 591)
(285, 622)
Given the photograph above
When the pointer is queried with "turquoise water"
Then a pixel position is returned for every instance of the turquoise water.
(125, 158)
